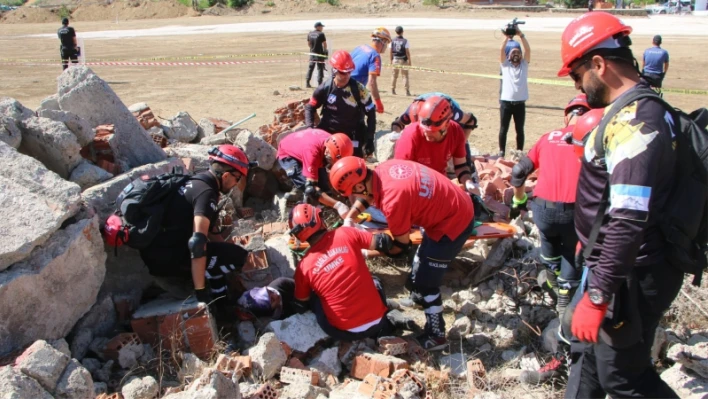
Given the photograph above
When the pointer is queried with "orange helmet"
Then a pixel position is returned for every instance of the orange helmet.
(304, 221)
(585, 33)
(342, 61)
(413, 110)
(586, 123)
(346, 173)
(382, 34)
(339, 146)
(231, 155)
(434, 113)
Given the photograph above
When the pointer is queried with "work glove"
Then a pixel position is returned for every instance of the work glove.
(587, 319)
(379, 106)
(341, 209)
(517, 206)
(203, 295)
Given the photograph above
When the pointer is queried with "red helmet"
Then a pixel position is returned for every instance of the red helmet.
(346, 173)
(342, 61)
(115, 233)
(413, 110)
(231, 155)
(586, 123)
(304, 221)
(434, 112)
(578, 105)
(339, 146)
(585, 32)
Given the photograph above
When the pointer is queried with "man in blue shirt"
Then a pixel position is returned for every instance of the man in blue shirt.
(367, 61)
(655, 63)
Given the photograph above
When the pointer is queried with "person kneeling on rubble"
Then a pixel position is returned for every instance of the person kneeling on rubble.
(276, 300)
(188, 251)
(348, 302)
(306, 154)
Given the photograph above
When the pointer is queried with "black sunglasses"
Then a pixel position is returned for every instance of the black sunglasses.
(574, 75)
(429, 122)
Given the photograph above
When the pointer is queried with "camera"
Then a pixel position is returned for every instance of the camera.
(510, 29)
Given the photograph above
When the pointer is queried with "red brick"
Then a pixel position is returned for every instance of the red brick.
(498, 183)
(256, 260)
(274, 228)
(381, 365)
(505, 170)
(403, 377)
(265, 391)
(296, 363)
(476, 374)
(393, 346)
(113, 347)
(288, 350)
(508, 195)
(108, 166)
(415, 351)
(219, 124)
(240, 365)
(124, 309)
(245, 213)
(508, 163)
(290, 375)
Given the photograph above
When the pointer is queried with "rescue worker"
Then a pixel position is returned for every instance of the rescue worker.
(333, 277)
(68, 50)
(555, 159)
(317, 43)
(514, 90)
(367, 59)
(655, 63)
(410, 194)
(400, 55)
(628, 259)
(435, 139)
(344, 103)
(304, 155)
(188, 252)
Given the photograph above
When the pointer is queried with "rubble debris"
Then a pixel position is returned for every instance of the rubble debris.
(181, 127)
(300, 331)
(290, 375)
(211, 126)
(80, 127)
(328, 361)
(192, 367)
(10, 133)
(232, 365)
(126, 348)
(61, 345)
(263, 391)
(144, 114)
(247, 332)
(280, 257)
(267, 356)
(75, 382)
(12, 109)
(686, 384)
(385, 144)
(374, 363)
(88, 96)
(86, 175)
(141, 388)
(43, 363)
(51, 143)
(80, 343)
(257, 149)
(50, 103)
(302, 391)
(15, 384)
(285, 119)
(693, 357)
(393, 346)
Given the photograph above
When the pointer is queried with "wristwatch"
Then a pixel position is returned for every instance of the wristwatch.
(597, 297)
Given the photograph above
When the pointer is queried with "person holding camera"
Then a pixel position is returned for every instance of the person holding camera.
(69, 48)
(514, 91)
(317, 42)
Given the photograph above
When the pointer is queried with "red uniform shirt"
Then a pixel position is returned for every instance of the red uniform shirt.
(411, 194)
(307, 146)
(334, 268)
(558, 167)
(413, 146)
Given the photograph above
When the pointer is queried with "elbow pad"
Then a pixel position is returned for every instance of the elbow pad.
(520, 171)
(197, 245)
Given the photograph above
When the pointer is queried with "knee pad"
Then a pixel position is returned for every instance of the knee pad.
(197, 245)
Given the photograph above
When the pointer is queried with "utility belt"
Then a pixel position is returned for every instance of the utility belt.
(563, 206)
(404, 58)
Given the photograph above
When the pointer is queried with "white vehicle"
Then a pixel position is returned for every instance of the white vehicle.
(670, 7)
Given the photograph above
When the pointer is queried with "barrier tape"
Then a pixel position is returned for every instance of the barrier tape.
(135, 63)
(179, 58)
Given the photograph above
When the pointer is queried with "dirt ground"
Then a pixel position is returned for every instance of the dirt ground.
(235, 91)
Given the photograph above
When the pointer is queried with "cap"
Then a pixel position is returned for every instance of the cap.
(318, 24)
(256, 301)
(657, 39)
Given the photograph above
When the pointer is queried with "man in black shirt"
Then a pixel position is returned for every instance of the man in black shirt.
(318, 45)
(69, 48)
(188, 251)
(400, 55)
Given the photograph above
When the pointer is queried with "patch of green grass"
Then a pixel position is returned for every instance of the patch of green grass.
(64, 12)
(432, 2)
(238, 3)
(270, 4)
(330, 2)
(12, 3)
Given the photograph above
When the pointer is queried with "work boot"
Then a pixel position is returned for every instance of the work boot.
(431, 343)
(547, 281)
(565, 295)
(393, 91)
(554, 369)
(408, 93)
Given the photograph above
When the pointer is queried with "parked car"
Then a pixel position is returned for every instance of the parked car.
(670, 7)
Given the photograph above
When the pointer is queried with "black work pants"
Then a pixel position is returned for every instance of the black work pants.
(507, 110)
(558, 239)
(67, 54)
(598, 369)
(320, 63)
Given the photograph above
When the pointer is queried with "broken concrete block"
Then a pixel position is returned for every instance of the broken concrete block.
(211, 126)
(280, 257)
(290, 375)
(43, 363)
(385, 144)
(75, 383)
(214, 385)
(257, 149)
(104, 373)
(247, 332)
(50, 103)
(101, 318)
(498, 254)
(267, 356)
(693, 357)
(393, 346)
(61, 345)
(235, 366)
(198, 154)
(461, 327)
(91, 364)
(141, 388)
(182, 128)
(328, 361)
(377, 364)
(80, 127)
(15, 385)
(302, 391)
(300, 331)
(100, 388)
(72, 257)
(52, 143)
(12, 108)
(255, 391)
(686, 384)
(10, 132)
(86, 175)
(192, 366)
(85, 94)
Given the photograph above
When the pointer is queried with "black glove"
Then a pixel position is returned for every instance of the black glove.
(518, 206)
(369, 147)
(203, 295)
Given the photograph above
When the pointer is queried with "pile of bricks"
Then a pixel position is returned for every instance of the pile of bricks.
(377, 387)
(287, 118)
(146, 118)
(99, 150)
(233, 365)
(120, 341)
(495, 184)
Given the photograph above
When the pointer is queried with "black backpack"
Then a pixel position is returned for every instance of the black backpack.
(142, 204)
(684, 221)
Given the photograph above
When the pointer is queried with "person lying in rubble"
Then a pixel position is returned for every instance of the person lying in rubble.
(276, 300)
(304, 156)
(333, 278)
(187, 253)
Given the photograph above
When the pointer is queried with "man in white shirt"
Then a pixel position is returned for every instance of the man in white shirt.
(514, 91)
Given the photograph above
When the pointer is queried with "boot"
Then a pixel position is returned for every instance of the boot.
(547, 280)
(434, 337)
(554, 369)
(566, 291)
(408, 93)
(393, 91)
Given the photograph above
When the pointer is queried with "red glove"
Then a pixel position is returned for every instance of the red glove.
(587, 319)
(379, 106)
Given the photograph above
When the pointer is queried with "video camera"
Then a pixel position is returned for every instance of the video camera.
(510, 29)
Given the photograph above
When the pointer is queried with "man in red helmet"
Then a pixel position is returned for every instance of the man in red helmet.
(558, 166)
(627, 187)
(304, 155)
(345, 102)
(333, 277)
(367, 59)
(188, 251)
(435, 139)
(410, 194)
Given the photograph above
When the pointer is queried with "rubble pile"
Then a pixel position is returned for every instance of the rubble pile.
(285, 119)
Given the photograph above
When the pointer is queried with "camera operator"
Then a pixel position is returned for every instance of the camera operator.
(515, 91)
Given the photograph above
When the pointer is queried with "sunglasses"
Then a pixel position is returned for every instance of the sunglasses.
(573, 74)
(429, 122)
(343, 73)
